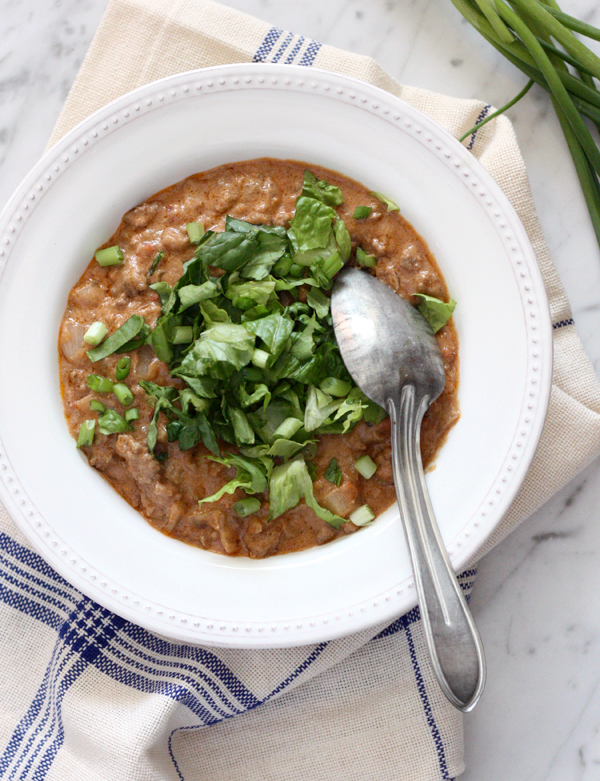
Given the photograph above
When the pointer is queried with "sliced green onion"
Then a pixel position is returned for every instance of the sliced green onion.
(97, 406)
(242, 430)
(296, 270)
(391, 206)
(195, 232)
(121, 336)
(156, 261)
(369, 261)
(363, 516)
(95, 333)
(335, 387)
(132, 414)
(123, 393)
(282, 267)
(247, 506)
(110, 256)
(361, 212)
(123, 366)
(332, 265)
(366, 467)
(287, 429)
(260, 358)
(86, 433)
(113, 423)
(99, 384)
(184, 334)
(333, 473)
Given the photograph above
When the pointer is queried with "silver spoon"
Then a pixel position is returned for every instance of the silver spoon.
(392, 355)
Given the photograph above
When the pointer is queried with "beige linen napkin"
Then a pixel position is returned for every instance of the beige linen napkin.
(367, 708)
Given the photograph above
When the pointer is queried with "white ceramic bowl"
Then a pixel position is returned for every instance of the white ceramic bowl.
(73, 200)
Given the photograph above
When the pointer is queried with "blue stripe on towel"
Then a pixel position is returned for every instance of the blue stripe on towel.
(311, 52)
(80, 639)
(265, 47)
(295, 49)
(29, 558)
(286, 42)
(266, 51)
(482, 115)
(563, 323)
(437, 738)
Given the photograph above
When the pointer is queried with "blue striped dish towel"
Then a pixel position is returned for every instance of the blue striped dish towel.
(86, 695)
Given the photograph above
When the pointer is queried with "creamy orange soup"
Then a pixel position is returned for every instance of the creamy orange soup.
(166, 492)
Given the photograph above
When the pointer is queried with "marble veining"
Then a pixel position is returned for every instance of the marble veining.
(537, 599)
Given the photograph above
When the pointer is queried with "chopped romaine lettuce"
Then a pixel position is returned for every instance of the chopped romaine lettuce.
(262, 370)
(291, 482)
(436, 312)
(312, 224)
(321, 190)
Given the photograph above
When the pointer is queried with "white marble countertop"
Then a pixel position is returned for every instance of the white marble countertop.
(537, 599)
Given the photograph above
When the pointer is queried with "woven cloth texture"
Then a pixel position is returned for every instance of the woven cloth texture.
(85, 694)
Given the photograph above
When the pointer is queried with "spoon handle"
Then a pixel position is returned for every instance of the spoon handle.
(452, 638)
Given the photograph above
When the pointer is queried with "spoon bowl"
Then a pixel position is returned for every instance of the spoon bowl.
(393, 356)
(385, 342)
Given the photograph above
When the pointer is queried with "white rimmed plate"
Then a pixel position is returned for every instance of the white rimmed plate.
(73, 200)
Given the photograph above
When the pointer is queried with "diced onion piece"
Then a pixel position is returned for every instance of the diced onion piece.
(287, 429)
(335, 387)
(95, 333)
(366, 467)
(123, 367)
(132, 414)
(110, 256)
(247, 506)
(363, 516)
(195, 231)
(86, 433)
(72, 338)
(123, 393)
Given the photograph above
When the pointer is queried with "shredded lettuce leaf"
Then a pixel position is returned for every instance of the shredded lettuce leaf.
(436, 312)
(290, 483)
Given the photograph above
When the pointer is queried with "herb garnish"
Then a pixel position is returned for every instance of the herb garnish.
(436, 312)
(333, 473)
(389, 204)
(160, 255)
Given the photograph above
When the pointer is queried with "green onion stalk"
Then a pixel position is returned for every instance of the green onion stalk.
(537, 37)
